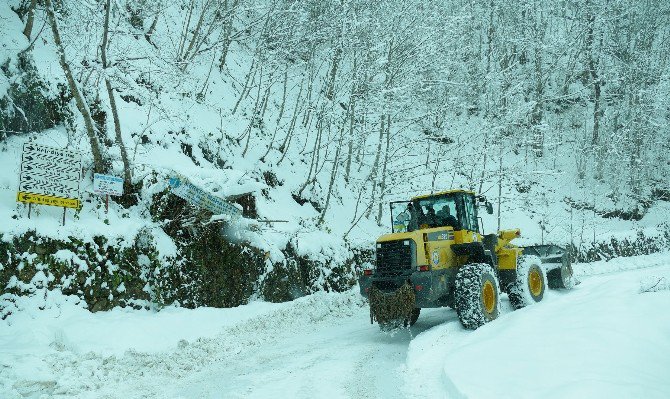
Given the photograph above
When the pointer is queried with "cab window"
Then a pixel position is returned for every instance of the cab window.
(468, 212)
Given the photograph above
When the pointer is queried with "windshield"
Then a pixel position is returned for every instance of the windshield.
(424, 213)
(436, 212)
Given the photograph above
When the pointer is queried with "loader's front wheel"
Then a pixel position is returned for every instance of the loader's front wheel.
(530, 283)
(477, 295)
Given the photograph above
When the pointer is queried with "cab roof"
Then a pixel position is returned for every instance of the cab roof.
(443, 193)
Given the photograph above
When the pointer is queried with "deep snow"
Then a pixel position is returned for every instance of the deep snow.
(605, 338)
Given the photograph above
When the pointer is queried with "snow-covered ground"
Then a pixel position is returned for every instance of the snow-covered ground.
(605, 338)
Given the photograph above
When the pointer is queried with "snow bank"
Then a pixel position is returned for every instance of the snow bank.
(64, 321)
(67, 350)
(621, 264)
(602, 339)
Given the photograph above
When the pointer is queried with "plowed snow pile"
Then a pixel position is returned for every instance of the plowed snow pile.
(69, 352)
(608, 338)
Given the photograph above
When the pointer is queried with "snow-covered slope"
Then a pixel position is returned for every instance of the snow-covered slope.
(604, 338)
(188, 122)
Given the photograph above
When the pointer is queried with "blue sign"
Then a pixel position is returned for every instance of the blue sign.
(201, 198)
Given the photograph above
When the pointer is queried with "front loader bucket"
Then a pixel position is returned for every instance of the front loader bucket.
(557, 263)
(394, 307)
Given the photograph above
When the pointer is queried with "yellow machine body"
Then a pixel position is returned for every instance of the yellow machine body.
(419, 263)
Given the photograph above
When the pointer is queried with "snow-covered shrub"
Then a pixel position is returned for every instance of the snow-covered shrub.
(208, 270)
(286, 281)
(299, 275)
(27, 105)
(104, 273)
(655, 284)
(212, 270)
(642, 244)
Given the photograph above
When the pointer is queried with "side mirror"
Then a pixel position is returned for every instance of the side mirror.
(489, 208)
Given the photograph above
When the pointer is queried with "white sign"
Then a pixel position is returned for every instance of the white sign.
(60, 155)
(50, 171)
(107, 185)
(201, 198)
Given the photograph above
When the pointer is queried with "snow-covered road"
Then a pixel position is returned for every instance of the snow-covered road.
(605, 338)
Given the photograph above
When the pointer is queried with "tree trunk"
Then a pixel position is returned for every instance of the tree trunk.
(112, 103)
(351, 113)
(330, 90)
(254, 114)
(350, 152)
(28, 30)
(227, 34)
(98, 162)
(283, 96)
(310, 84)
(287, 140)
(152, 29)
(196, 38)
(333, 173)
(314, 164)
(187, 24)
(252, 70)
(382, 185)
(373, 173)
(597, 113)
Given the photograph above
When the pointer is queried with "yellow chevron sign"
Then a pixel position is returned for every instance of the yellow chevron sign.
(30, 198)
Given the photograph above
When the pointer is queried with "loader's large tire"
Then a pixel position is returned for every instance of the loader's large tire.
(477, 295)
(561, 277)
(530, 283)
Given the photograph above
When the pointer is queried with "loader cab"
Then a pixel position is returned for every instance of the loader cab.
(455, 208)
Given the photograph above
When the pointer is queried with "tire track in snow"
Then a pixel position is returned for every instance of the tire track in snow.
(360, 384)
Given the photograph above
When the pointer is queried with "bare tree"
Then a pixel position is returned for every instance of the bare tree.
(27, 31)
(112, 102)
(98, 162)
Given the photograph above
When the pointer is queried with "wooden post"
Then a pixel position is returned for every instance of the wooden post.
(64, 209)
(107, 203)
(30, 208)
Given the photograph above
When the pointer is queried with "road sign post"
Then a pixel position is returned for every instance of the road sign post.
(107, 185)
(49, 176)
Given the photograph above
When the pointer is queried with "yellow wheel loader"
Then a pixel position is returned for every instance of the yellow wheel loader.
(438, 255)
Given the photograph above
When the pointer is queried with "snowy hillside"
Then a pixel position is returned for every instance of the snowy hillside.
(605, 338)
(322, 133)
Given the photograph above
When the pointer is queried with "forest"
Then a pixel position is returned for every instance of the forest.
(557, 111)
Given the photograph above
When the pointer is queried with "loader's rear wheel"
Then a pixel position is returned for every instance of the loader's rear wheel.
(530, 283)
(561, 277)
(477, 295)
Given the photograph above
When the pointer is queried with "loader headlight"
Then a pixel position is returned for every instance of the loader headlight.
(406, 242)
(379, 246)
